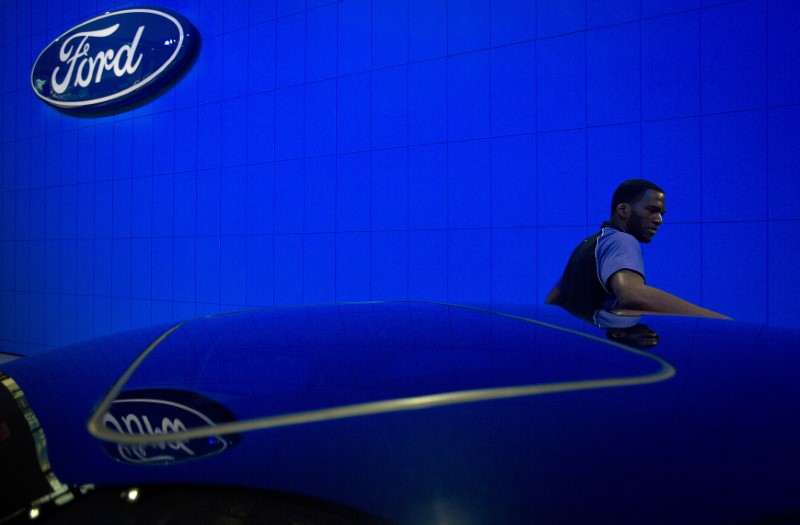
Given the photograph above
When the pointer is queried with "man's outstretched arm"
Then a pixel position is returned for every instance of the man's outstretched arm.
(634, 294)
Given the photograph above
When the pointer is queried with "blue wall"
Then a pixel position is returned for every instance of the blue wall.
(456, 151)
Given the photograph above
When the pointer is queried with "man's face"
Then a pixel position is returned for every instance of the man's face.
(646, 216)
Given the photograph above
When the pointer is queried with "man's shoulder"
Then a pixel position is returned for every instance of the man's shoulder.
(614, 240)
(611, 234)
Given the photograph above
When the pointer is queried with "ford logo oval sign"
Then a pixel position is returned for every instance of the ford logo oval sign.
(112, 59)
(162, 412)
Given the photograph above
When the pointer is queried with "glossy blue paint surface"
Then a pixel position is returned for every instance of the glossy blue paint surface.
(713, 443)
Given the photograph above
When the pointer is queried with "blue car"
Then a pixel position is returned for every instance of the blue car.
(408, 413)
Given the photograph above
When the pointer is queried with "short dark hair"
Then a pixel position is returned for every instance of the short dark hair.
(631, 191)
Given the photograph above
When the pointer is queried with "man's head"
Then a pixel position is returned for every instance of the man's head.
(637, 208)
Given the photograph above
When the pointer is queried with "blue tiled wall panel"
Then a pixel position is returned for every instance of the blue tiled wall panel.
(784, 162)
(672, 158)
(208, 202)
(37, 269)
(141, 267)
(389, 267)
(427, 187)
(561, 83)
(468, 189)
(613, 78)
(185, 203)
(468, 96)
(184, 269)
(513, 181)
(615, 155)
(427, 101)
(557, 17)
(163, 143)
(289, 123)
(389, 108)
(163, 206)
(513, 89)
(67, 319)
(69, 158)
(123, 144)
(103, 266)
(289, 196)
(782, 272)
(22, 215)
(142, 147)
(233, 133)
(732, 254)
(288, 7)
(320, 118)
(389, 188)
(353, 113)
(255, 199)
(207, 284)
(120, 212)
(233, 270)
(315, 151)
(120, 314)
(561, 179)
(321, 37)
(186, 139)
(427, 29)
(260, 122)
(319, 268)
(427, 265)
(784, 53)
(389, 33)
(352, 266)
(513, 262)
(162, 268)
(8, 267)
(673, 260)
(262, 11)
(607, 12)
(651, 8)
(38, 211)
(289, 269)
(320, 195)
(468, 26)
(671, 66)
(291, 45)
(735, 166)
(353, 192)
(234, 193)
(120, 267)
(234, 70)
(261, 51)
(354, 37)
(513, 22)
(22, 266)
(468, 266)
(734, 56)
(209, 136)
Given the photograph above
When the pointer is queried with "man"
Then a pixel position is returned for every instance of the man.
(606, 270)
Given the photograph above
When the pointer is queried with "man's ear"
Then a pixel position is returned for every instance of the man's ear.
(623, 210)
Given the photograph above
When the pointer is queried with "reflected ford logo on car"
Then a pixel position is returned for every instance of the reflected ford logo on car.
(112, 59)
(162, 412)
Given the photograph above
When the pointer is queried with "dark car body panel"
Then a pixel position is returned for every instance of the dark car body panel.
(460, 413)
